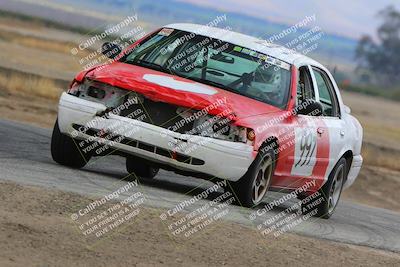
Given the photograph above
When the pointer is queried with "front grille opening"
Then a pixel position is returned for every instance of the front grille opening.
(182, 158)
(198, 162)
(160, 114)
(163, 152)
(96, 92)
(144, 146)
(129, 142)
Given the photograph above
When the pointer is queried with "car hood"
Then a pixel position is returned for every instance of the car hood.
(162, 87)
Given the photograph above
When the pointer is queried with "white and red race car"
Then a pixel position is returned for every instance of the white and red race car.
(211, 103)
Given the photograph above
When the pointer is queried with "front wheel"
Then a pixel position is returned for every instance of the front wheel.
(65, 151)
(253, 186)
(329, 194)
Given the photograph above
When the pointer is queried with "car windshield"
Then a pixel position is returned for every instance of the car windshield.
(214, 62)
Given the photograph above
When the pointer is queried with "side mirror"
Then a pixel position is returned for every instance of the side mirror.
(309, 108)
(347, 109)
(110, 50)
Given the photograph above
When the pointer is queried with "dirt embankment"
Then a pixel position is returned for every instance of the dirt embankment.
(36, 230)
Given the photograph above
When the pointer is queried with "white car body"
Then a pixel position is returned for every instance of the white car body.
(224, 159)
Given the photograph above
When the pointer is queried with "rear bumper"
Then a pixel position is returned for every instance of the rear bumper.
(354, 170)
(222, 159)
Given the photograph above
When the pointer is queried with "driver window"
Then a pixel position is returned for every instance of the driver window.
(326, 94)
(305, 88)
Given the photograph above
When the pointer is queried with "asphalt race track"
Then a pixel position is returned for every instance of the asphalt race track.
(25, 159)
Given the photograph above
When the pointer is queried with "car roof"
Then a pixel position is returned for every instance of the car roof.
(250, 42)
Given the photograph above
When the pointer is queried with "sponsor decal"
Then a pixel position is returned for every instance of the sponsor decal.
(246, 51)
(166, 32)
(263, 57)
(237, 49)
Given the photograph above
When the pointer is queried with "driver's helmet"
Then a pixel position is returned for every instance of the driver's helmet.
(267, 79)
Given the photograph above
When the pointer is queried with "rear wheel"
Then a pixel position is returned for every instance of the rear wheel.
(65, 150)
(329, 193)
(253, 186)
(141, 167)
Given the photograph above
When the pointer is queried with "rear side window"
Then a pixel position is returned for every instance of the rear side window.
(327, 94)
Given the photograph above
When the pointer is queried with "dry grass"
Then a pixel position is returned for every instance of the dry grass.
(29, 84)
(381, 157)
(35, 42)
(40, 43)
(379, 118)
(42, 62)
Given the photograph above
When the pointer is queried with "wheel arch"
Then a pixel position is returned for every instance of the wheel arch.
(348, 156)
(271, 142)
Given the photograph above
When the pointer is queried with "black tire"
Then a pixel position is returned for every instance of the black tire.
(325, 204)
(140, 167)
(244, 189)
(65, 151)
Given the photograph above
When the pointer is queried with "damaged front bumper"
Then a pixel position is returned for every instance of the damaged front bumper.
(192, 153)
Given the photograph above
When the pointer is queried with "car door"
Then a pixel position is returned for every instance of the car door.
(304, 157)
(332, 123)
(311, 136)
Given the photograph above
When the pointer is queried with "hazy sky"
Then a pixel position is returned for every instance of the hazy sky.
(351, 18)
